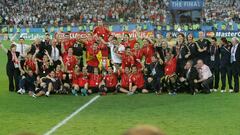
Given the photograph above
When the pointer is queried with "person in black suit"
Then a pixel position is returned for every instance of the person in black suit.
(190, 74)
(156, 72)
(225, 66)
(12, 68)
(203, 46)
(235, 62)
(192, 47)
(214, 63)
(182, 53)
(54, 52)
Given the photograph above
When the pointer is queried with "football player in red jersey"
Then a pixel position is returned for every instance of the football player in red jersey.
(138, 55)
(83, 82)
(127, 58)
(70, 61)
(30, 64)
(136, 81)
(123, 86)
(94, 81)
(92, 60)
(67, 43)
(109, 83)
(148, 51)
(74, 77)
(101, 31)
(169, 70)
(128, 42)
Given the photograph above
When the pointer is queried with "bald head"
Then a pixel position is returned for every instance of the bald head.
(235, 40)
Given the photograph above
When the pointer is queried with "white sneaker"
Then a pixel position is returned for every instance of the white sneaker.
(223, 91)
(34, 96)
(211, 90)
(231, 90)
(19, 91)
(215, 90)
(23, 91)
(130, 93)
(47, 93)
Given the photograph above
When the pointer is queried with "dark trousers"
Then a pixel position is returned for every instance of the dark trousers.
(235, 70)
(55, 63)
(206, 85)
(13, 78)
(226, 71)
(155, 84)
(216, 72)
(180, 66)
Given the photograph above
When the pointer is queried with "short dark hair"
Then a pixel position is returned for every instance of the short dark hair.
(214, 38)
(224, 40)
(21, 38)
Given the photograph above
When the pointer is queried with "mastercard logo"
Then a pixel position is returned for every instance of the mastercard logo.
(210, 34)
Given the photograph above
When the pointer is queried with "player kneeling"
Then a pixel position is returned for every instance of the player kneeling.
(27, 83)
(109, 82)
(94, 81)
(136, 81)
(48, 84)
(170, 79)
(123, 86)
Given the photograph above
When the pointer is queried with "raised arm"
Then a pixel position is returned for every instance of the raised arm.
(3, 48)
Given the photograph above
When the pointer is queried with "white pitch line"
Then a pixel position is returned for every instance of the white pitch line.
(70, 116)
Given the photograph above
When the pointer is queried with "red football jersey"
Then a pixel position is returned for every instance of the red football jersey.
(127, 60)
(125, 80)
(170, 66)
(138, 54)
(70, 62)
(111, 80)
(75, 78)
(59, 75)
(82, 80)
(94, 80)
(102, 31)
(89, 44)
(148, 52)
(69, 43)
(137, 79)
(104, 50)
(92, 58)
(29, 64)
(130, 43)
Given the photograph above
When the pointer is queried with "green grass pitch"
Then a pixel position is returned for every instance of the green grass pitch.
(213, 114)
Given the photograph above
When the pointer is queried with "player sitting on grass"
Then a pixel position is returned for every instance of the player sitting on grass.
(136, 81)
(109, 82)
(74, 76)
(27, 83)
(169, 70)
(83, 82)
(95, 80)
(47, 84)
(123, 86)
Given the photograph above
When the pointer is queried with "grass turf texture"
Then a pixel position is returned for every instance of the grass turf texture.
(214, 114)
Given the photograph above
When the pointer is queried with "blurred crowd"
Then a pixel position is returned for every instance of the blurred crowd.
(222, 10)
(60, 12)
(74, 12)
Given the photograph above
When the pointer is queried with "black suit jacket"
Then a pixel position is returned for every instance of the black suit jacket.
(237, 54)
(158, 68)
(10, 64)
(192, 75)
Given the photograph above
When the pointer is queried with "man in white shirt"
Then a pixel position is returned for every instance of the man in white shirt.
(235, 62)
(22, 48)
(55, 53)
(116, 48)
(205, 76)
